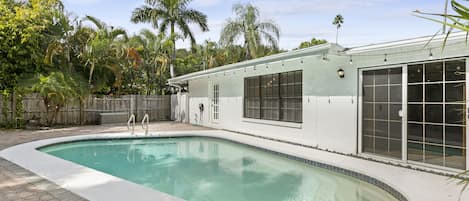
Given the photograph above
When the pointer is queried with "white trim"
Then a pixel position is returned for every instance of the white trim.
(467, 113)
(273, 123)
(404, 112)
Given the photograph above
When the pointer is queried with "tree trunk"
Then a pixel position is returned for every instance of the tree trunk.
(173, 55)
(337, 36)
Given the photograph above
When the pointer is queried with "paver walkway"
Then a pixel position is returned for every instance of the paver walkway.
(19, 184)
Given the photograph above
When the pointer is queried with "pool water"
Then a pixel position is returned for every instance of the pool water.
(206, 169)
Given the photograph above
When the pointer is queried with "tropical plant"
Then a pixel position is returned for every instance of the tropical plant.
(248, 26)
(311, 43)
(171, 14)
(155, 52)
(24, 27)
(338, 21)
(105, 50)
(56, 91)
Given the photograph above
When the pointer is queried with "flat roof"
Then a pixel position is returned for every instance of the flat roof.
(329, 48)
(315, 50)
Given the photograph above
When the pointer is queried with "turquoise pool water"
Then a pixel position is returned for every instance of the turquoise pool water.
(206, 169)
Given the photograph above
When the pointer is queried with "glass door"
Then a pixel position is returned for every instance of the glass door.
(436, 127)
(215, 103)
(382, 112)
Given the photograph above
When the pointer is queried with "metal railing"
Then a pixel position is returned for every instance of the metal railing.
(131, 119)
(146, 119)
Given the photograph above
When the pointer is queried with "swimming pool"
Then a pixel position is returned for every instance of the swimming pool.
(205, 169)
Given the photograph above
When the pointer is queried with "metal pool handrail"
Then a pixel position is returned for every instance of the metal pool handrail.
(147, 118)
(131, 119)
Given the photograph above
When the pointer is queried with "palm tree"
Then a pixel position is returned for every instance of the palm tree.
(248, 26)
(105, 49)
(171, 14)
(338, 21)
(155, 51)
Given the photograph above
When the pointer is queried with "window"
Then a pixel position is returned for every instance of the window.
(276, 97)
(216, 102)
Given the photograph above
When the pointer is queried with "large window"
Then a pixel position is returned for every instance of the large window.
(276, 97)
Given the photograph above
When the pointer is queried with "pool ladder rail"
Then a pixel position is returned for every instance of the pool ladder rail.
(131, 120)
(146, 119)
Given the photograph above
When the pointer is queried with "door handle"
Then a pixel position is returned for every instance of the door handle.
(401, 113)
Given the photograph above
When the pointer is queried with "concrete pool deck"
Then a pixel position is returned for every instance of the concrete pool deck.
(93, 185)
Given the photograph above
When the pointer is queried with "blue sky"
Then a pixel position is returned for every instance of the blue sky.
(366, 21)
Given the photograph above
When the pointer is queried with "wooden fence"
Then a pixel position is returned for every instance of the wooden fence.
(74, 113)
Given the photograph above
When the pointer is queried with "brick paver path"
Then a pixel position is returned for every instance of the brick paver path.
(19, 184)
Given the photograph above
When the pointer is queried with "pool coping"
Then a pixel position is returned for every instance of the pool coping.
(404, 184)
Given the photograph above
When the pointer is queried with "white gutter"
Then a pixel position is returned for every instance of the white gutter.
(458, 36)
(277, 57)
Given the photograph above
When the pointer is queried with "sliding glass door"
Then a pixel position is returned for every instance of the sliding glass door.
(381, 112)
(433, 130)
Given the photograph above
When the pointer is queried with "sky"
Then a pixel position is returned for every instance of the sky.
(366, 21)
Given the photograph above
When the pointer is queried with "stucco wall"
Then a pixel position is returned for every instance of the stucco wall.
(330, 104)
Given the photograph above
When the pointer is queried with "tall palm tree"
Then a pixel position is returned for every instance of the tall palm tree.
(248, 26)
(171, 14)
(338, 21)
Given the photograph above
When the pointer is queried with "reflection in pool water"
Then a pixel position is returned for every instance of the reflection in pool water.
(206, 169)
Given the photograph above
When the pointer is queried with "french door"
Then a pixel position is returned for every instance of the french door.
(215, 103)
(416, 113)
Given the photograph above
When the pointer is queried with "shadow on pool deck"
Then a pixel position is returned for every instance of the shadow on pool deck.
(17, 183)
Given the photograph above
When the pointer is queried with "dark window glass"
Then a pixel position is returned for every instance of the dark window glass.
(395, 148)
(368, 144)
(455, 70)
(368, 111)
(434, 134)
(434, 113)
(381, 146)
(454, 114)
(415, 112)
(455, 135)
(415, 93)
(381, 111)
(434, 154)
(415, 73)
(395, 93)
(368, 127)
(455, 92)
(368, 95)
(434, 72)
(381, 94)
(395, 130)
(395, 75)
(394, 111)
(415, 132)
(415, 151)
(368, 78)
(381, 77)
(381, 129)
(434, 92)
(455, 158)
(274, 97)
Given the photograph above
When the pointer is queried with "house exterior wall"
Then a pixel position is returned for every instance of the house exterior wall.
(330, 104)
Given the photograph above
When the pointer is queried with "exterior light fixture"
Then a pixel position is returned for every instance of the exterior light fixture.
(324, 57)
(430, 55)
(385, 58)
(341, 73)
(351, 60)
